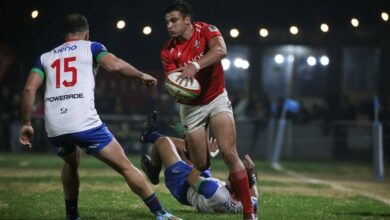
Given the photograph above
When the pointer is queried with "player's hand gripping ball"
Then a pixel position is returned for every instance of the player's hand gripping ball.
(185, 90)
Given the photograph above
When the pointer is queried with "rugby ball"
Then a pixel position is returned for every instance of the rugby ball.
(182, 91)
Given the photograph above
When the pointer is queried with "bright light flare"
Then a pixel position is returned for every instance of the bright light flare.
(34, 14)
(234, 32)
(294, 30)
(355, 22)
(324, 27)
(147, 30)
(263, 32)
(121, 24)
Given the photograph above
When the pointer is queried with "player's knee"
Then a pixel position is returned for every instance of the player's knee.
(162, 142)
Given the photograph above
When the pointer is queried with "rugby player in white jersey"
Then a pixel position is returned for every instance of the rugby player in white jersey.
(71, 119)
(188, 185)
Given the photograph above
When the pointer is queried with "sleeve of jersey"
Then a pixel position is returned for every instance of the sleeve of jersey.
(38, 68)
(167, 61)
(98, 51)
(206, 173)
(207, 188)
(211, 31)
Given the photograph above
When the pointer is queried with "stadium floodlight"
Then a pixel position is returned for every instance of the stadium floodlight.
(238, 62)
(355, 22)
(294, 30)
(34, 14)
(234, 32)
(245, 64)
(241, 63)
(324, 60)
(385, 16)
(311, 61)
(324, 27)
(225, 64)
(263, 32)
(279, 58)
(121, 24)
(147, 30)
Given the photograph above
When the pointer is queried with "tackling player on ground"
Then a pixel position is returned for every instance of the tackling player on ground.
(71, 119)
(196, 49)
(188, 185)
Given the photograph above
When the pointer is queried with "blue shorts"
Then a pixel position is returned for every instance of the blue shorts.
(176, 180)
(91, 141)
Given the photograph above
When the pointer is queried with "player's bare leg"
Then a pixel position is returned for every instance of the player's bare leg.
(114, 156)
(197, 148)
(165, 149)
(181, 149)
(223, 127)
(152, 164)
(224, 130)
(71, 183)
(164, 152)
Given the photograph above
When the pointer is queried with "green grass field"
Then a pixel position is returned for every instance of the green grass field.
(30, 188)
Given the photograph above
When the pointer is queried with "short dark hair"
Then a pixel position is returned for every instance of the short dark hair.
(75, 23)
(181, 6)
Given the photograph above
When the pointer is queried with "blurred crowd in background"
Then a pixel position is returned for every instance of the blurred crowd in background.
(124, 103)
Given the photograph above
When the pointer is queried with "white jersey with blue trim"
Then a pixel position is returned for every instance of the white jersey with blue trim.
(221, 201)
(70, 72)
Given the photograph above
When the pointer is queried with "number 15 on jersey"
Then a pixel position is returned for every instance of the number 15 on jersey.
(67, 68)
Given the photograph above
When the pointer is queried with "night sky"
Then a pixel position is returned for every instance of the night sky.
(29, 38)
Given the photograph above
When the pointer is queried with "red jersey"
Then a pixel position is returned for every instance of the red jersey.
(178, 53)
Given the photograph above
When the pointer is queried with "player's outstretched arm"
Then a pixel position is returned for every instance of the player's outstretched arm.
(116, 65)
(33, 83)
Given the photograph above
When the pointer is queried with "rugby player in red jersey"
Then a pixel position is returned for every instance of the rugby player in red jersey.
(196, 49)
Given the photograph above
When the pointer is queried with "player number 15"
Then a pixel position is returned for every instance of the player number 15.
(67, 69)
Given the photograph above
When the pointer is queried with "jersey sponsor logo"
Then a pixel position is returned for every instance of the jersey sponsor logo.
(64, 97)
(65, 48)
(212, 28)
(194, 59)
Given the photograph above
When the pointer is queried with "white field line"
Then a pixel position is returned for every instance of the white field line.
(334, 185)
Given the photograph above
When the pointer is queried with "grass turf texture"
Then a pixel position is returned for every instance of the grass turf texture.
(30, 188)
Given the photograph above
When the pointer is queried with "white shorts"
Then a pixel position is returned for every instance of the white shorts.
(194, 117)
